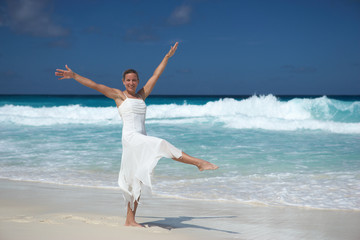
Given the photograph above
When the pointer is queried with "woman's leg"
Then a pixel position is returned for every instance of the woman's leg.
(130, 217)
(200, 163)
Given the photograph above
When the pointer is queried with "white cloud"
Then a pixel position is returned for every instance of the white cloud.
(32, 17)
(181, 15)
(141, 34)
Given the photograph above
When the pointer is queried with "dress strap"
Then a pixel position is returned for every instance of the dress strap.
(139, 95)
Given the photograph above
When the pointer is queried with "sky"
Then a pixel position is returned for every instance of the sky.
(244, 47)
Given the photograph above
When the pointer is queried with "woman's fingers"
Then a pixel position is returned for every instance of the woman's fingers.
(68, 68)
(63, 73)
(60, 73)
(173, 49)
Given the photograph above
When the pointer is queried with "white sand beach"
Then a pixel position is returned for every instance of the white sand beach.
(36, 211)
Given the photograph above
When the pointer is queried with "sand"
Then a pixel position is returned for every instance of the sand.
(38, 211)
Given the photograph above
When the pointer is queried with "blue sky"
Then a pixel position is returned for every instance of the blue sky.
(226, 47)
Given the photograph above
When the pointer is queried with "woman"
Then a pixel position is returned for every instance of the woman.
(140, 152)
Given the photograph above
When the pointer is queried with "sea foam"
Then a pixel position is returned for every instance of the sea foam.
(256, 112)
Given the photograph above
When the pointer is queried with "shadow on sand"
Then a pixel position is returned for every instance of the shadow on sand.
(170, 223)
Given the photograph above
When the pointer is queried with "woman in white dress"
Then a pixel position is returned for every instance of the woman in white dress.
(140, 152)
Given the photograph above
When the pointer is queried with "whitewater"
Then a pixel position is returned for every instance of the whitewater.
(297, 151)
(264, 112)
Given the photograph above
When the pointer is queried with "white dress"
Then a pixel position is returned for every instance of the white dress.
(140, 152)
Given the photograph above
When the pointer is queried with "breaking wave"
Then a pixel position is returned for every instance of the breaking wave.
(256, 112)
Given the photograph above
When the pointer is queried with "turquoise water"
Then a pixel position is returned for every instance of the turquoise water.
(299, 151)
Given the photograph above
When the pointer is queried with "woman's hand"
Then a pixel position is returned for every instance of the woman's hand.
(65, 74)
(172, 50)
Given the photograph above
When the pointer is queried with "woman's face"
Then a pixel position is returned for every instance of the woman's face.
(130, 82)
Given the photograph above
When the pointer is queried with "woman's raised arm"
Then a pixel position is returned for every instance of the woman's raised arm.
(146, 90)
(107, 91)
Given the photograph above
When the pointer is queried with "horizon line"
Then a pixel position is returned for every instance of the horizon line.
(192, 95)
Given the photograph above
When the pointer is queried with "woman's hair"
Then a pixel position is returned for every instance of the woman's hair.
(130, 71)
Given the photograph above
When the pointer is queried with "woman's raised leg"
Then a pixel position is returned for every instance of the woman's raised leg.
(200, 163)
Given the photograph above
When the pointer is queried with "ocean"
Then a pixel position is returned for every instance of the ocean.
(272, 150)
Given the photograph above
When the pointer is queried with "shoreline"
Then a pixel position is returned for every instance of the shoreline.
(180, 198)
(45, 211)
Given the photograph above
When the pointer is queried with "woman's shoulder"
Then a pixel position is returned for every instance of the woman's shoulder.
(121, 97)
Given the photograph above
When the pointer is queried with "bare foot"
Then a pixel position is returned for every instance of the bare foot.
(133, 224)
(205, 165)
